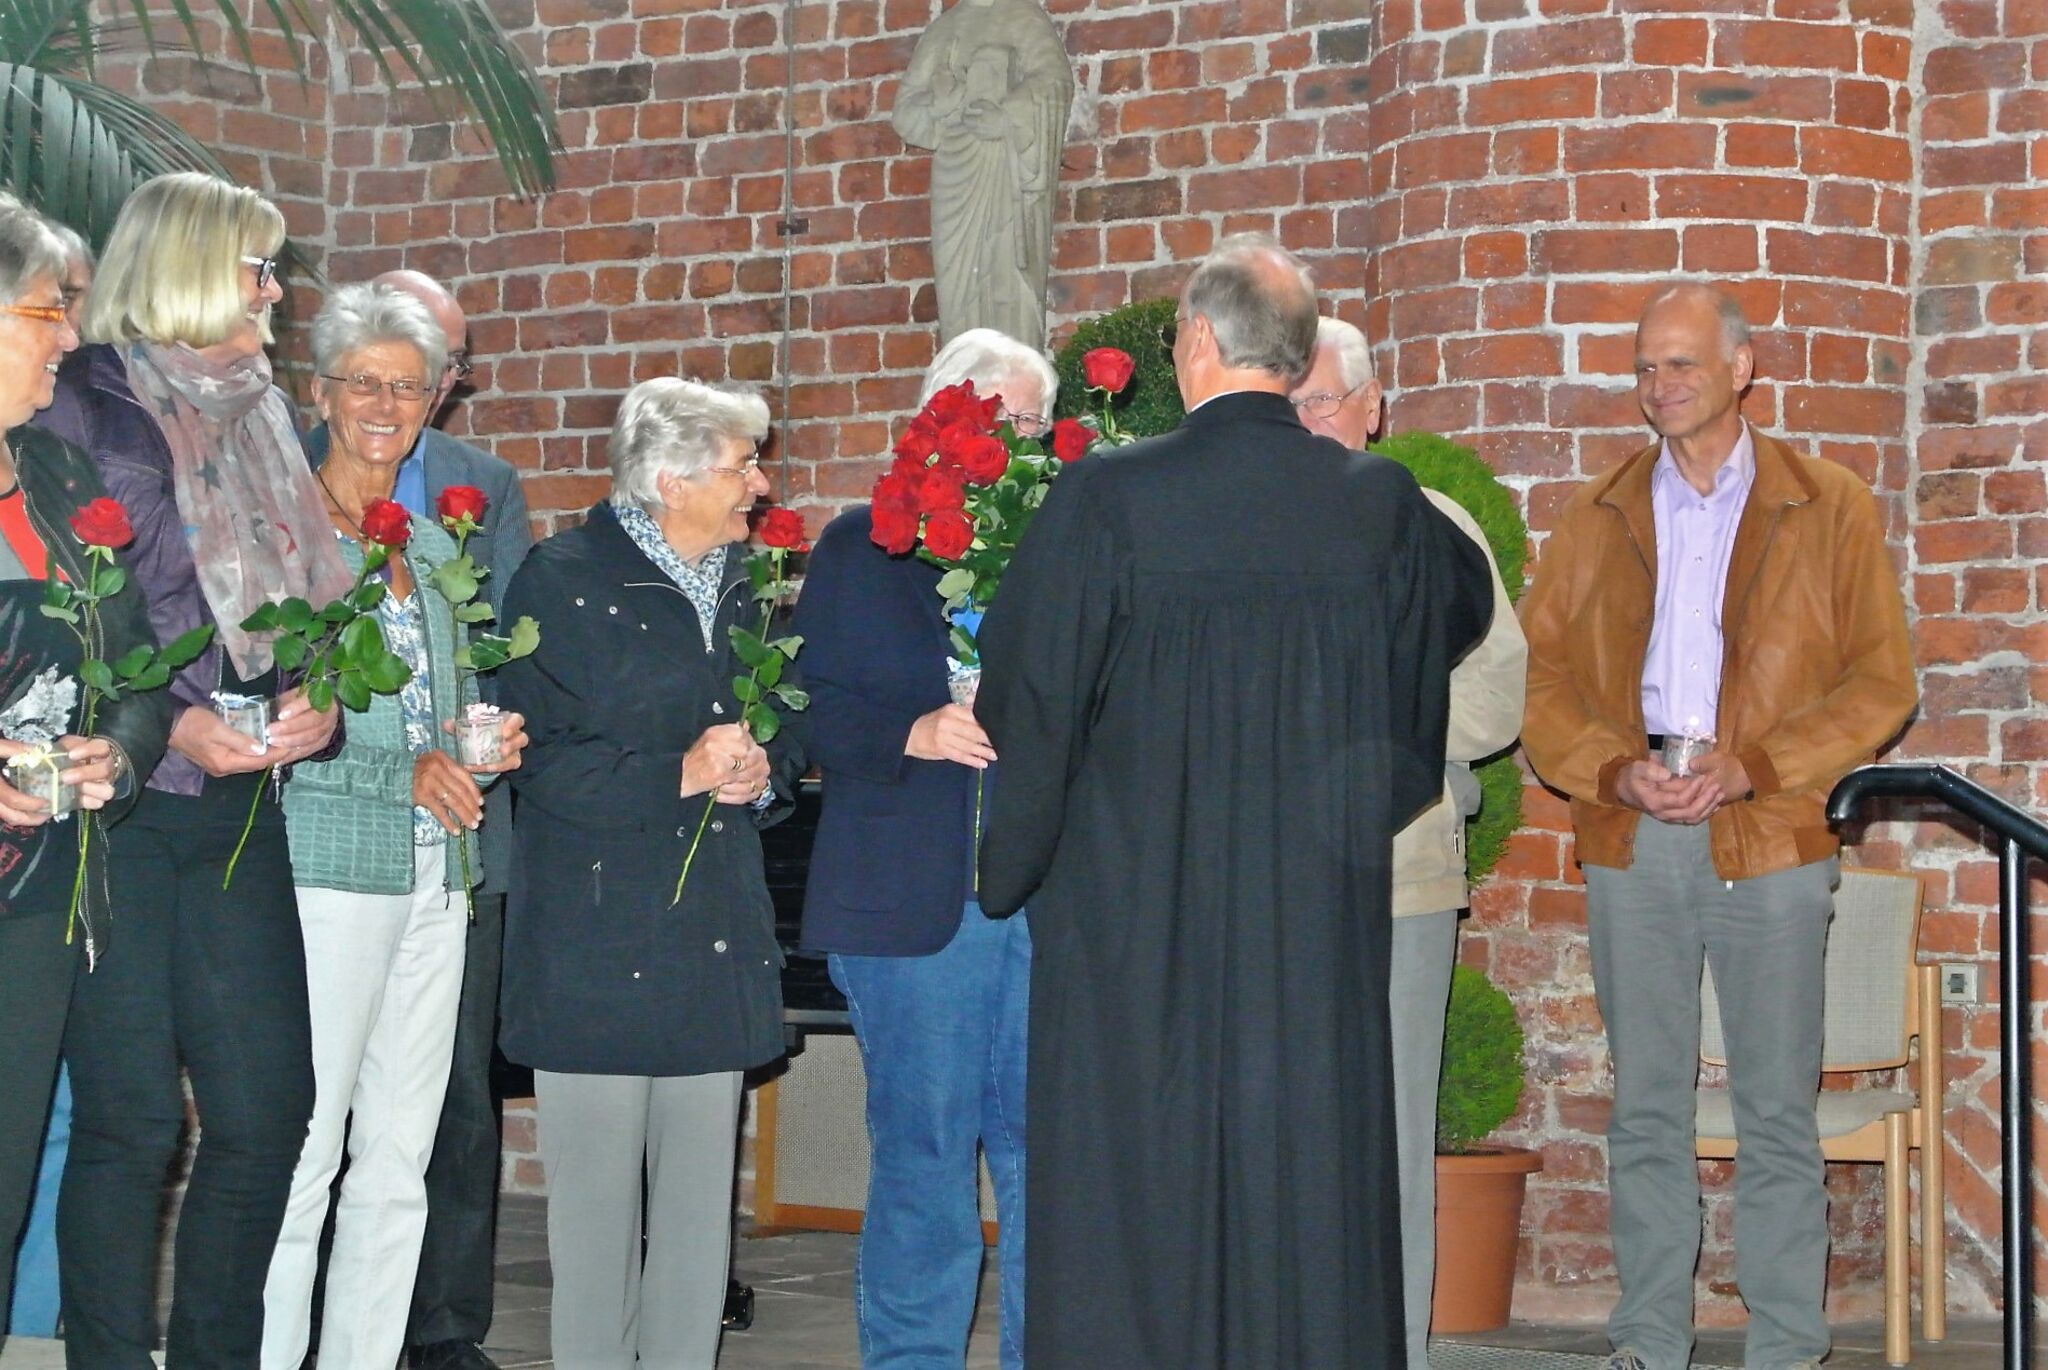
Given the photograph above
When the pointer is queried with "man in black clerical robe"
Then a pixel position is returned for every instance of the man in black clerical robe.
(1217, 677)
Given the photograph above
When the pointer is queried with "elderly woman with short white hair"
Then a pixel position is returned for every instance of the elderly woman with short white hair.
(382, 892)
(937, 990)
(639, 1012)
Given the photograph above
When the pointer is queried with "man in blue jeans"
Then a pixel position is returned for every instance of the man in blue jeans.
(937, 990)
(35, 1306)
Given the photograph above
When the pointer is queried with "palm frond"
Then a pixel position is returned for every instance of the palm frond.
(75, 149)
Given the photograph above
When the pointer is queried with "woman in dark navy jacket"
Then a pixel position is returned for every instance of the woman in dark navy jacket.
(937, 990)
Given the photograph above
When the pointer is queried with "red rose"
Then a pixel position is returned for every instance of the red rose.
(948, 534)
(983, 459)
(893, 530)
(919, 442)
(103, 523)
(459, 502)
(908, 468)
(1107, 368)
(1071, 439)
(386, 523)
(783, 528)
(941, 490)
(960, 404)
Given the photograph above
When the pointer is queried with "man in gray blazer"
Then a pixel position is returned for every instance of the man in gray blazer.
(451, 1301)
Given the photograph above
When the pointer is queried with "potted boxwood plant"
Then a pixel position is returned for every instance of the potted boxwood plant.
(1479, 1188)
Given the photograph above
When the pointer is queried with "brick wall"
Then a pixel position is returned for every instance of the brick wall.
(1504, 179)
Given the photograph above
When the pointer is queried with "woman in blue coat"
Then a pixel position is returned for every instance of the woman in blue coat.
(937, 991)
(639, 1012)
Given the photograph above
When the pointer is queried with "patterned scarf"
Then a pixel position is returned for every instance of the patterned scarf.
(702, 582)
(252, 514)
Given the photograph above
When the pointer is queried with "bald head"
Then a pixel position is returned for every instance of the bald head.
(1260, 303)
(1693, 361)
(1691, 299)
(439, 302)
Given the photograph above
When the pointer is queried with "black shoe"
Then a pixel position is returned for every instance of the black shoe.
(739, 1306)
(448, 1355)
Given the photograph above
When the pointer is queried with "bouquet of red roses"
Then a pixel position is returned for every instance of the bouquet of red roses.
(961, 492)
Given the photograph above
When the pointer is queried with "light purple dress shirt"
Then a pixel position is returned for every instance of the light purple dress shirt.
(1695, 539)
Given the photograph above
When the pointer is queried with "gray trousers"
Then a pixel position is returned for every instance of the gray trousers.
(599, 1135)
(1425, 946)
(1649, 926)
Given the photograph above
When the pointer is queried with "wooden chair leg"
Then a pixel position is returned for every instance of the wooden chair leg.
(1933, 1229)
(1898, 1335)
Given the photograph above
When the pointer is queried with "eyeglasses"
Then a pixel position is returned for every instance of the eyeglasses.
(405, 389)
(459, 364)
(1028, 425)
(1322, 404)
(48, 313)
(266, 269)
(743, 470)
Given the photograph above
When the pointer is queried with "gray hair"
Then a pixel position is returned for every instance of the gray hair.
(29, 249)
(359, 316)
(1261, 302)
(989, 358)
(1354, 357)
(76, 249)
(1734, 324)
(670, 426)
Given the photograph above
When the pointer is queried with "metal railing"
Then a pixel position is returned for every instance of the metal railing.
(2020, 835)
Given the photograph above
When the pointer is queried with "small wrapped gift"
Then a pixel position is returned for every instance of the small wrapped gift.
(962, 682)
(248, 715)
(480, 735)
(1682, 749)
(39, 775)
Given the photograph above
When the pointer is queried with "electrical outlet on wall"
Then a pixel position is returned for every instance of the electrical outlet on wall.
(1959, 983)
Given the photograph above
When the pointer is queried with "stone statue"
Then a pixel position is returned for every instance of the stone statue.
(988, 91)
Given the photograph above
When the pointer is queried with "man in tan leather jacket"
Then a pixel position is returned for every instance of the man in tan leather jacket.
(1722, 587)
(1340, 399)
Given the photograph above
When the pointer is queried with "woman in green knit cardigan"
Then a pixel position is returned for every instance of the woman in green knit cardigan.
(379, 874)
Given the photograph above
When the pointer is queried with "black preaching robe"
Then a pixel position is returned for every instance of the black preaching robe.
(1217, 676)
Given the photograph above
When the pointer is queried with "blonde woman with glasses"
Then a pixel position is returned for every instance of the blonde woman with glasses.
(176, 406)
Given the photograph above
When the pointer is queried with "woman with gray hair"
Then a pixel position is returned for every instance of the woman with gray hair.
(382, 900)
(638, 1012)
(936, 988)
(44, 482)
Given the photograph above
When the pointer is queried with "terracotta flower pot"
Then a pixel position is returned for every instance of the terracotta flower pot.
(1478, 1228)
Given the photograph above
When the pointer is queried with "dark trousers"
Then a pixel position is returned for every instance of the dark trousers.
(451, 1298)
(36, 971)
(215, 979)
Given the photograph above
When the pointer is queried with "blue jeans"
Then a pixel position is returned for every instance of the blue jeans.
(35, 1265)
(942, 1040)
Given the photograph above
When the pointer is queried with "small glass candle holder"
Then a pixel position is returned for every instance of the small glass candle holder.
(962, 682)
(246, 714)
(1682, 749)
(480, 739)
(38, 775)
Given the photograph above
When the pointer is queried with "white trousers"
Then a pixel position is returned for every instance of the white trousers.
(384, 979)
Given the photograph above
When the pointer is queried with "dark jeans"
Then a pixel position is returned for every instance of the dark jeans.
(451, 1298)
(216, 980)
(36, 971)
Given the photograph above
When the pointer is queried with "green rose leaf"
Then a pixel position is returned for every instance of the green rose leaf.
(525, 637)
(361, 642)
(131, 663)
(745, 690)
(957, 581)
(184, 649)
(771, 670)
(749, 648)
(765, 724)
(386, 674)
(263, 620)
(110, 580)
(153, 677)
(68, 615)
(478, 611)
(290, 652)
(320, 692)
(339, 611)
(351, 689)
(456, 580)
(790, 695)
(789, 646)
(488, 653)
(96, 674)
(295, 615)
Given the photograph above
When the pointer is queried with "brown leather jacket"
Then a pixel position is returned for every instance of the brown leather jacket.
(1816, 676)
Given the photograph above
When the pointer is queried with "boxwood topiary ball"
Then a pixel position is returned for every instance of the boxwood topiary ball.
(1150, 404)
(1481, 1085)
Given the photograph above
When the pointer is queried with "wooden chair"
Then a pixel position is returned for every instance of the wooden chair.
(1878, 1004)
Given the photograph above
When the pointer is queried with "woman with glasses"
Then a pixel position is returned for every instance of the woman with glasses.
(175, 404)
(383, 892)
(44, 481)
(639, 1009)
(936, 989)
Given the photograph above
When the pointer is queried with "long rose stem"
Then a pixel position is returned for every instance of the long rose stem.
(247, 824)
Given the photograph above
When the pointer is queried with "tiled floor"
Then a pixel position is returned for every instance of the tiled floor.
(803, 1318)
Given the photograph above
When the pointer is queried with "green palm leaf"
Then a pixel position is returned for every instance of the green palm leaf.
(76, 148)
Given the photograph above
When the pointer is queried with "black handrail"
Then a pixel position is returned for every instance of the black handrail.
(2020, 835)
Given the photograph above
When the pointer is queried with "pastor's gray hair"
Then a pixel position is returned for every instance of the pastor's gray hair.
(1354, 357)
(1734, 324)
(76, 249)
(1261, 302)
(359, 316)
(29, 249)
(989, 359)
(670, 426)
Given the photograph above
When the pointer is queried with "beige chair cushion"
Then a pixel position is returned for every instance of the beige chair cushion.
(1839, 1112)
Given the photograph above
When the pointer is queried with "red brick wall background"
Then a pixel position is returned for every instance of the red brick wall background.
(1503, 180)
